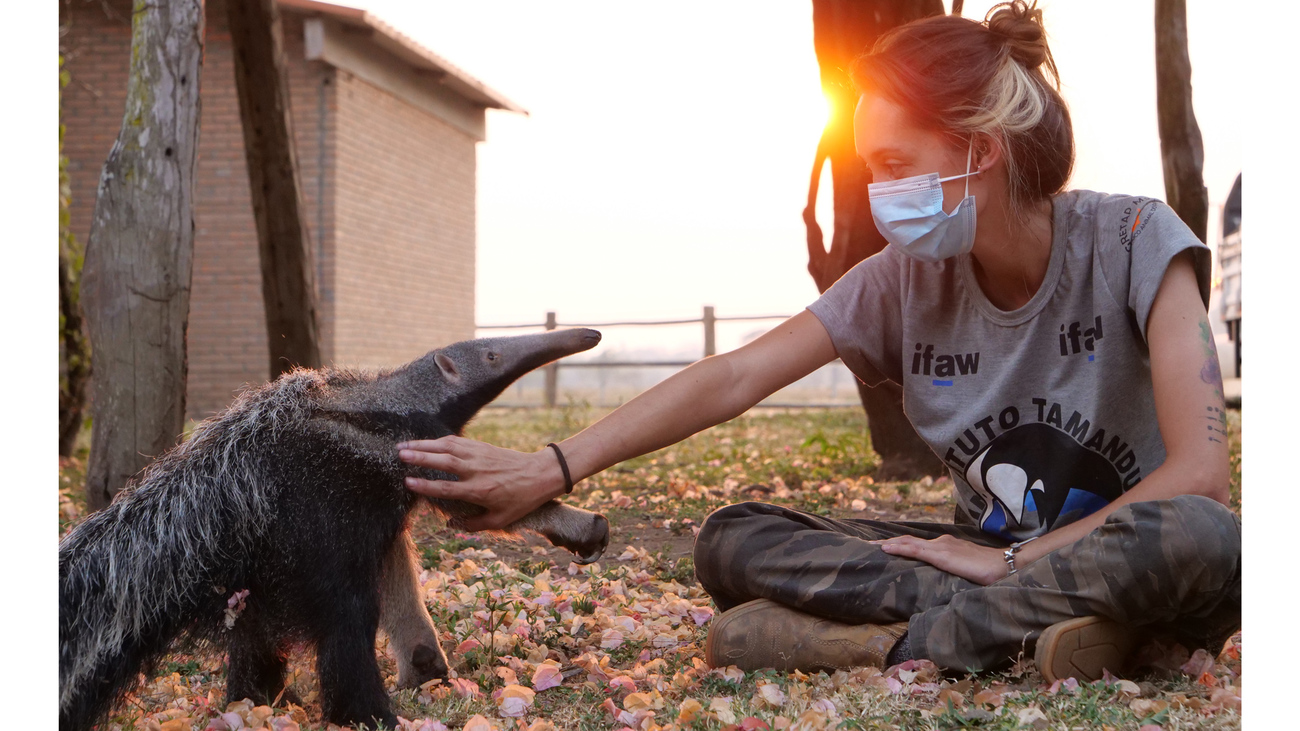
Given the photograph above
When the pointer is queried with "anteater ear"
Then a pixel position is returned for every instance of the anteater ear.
(448, 368)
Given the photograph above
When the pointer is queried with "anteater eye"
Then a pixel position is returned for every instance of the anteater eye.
(492, 356)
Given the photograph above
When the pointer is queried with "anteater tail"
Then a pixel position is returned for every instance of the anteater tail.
(161, 561)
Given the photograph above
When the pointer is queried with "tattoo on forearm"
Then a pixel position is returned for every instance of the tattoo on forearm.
(1210, 374)
(1218, 426)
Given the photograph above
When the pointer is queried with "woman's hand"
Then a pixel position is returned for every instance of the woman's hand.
(973, 562)
(509, 484)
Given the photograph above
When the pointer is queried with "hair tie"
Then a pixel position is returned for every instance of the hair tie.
(564, 467)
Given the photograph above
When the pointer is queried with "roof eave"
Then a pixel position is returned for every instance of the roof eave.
(421, 59)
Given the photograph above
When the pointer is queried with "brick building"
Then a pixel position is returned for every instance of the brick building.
(385, 134)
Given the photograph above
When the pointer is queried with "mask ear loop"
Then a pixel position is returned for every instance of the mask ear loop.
(969, 151)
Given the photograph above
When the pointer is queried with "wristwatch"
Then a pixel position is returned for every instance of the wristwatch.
(1010, 554)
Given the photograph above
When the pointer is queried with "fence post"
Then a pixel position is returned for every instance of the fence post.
(552, 370)
(710, 347)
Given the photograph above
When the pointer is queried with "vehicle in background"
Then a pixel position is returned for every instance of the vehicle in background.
(1229, 279)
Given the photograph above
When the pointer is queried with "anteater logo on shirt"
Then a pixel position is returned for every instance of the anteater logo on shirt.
(1036, 476)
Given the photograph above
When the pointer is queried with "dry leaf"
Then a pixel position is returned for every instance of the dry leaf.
(721, 709)
(689, 710)
(513, 700)
(610, 708)
(701, 615)
(1032, 716)
(1145, 707)
(465, 688)
(949, 696)
(731, 674)
(825, 705)
(479, 723)
(1198, 664)
(771, 695)
(638, 702)
(285, 723)
(1128, 688)
(610, 639)
(547, 675)
(810, 720)
(1226, 698)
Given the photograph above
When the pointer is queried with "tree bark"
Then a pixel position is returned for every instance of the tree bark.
(284, 247)
(842, 30)
(1181, 150)
(139, 256)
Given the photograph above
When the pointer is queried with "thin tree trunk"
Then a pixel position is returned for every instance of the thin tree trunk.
(288, 287)
(139, 256)
(842, 30)
(1181, 150)
(74, 350)
(74, 357)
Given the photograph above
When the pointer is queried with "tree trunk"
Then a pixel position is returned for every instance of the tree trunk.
(842, 30)
(1181, 150)
(74, 351)
(136, 282)
(288, 286)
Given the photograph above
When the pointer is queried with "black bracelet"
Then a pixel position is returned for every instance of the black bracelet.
(564, 467)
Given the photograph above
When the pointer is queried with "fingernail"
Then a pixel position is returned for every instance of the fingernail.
(403, 445)
(410, 482)
(405, 454)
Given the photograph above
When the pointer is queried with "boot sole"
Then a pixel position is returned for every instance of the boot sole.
(1082, 648)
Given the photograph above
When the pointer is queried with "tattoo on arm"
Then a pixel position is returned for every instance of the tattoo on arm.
(1211, 375)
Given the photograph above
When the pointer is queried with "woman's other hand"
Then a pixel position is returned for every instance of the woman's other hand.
(509, 484)
(973, 562)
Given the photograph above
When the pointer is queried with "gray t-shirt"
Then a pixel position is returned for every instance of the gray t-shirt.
(1043, 414)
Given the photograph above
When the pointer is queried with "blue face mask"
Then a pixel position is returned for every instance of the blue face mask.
(909, 214)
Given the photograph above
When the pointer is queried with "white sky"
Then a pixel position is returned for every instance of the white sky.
(664, 162)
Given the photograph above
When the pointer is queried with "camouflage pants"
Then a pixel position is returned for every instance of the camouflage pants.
(1171, 565)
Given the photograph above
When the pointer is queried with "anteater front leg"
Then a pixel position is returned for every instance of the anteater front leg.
(411, 632)
(581, 531)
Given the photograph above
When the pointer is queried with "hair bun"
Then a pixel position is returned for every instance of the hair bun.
(1020, 25)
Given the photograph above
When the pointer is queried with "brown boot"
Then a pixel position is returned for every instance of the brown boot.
(764, 634)
(1082, 647)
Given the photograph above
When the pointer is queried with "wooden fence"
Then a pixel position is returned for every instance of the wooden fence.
(709, 321)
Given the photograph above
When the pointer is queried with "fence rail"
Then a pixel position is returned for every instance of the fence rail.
(709, 320)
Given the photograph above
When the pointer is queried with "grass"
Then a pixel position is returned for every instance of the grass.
(627, 632)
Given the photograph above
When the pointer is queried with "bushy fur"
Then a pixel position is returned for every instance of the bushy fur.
(296, 495)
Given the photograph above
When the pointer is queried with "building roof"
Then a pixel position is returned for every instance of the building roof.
(405, 48)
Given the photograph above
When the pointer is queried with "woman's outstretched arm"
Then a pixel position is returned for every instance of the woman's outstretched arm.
(512, 484)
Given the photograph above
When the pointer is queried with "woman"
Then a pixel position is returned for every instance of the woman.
(1054, 351)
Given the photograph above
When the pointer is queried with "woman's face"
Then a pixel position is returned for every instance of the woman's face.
(895, 147)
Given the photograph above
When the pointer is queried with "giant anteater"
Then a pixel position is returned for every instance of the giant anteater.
(295, 495)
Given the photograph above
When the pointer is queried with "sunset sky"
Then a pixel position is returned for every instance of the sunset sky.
(665, 160)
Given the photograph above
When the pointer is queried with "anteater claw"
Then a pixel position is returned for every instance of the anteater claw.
(591, 550)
